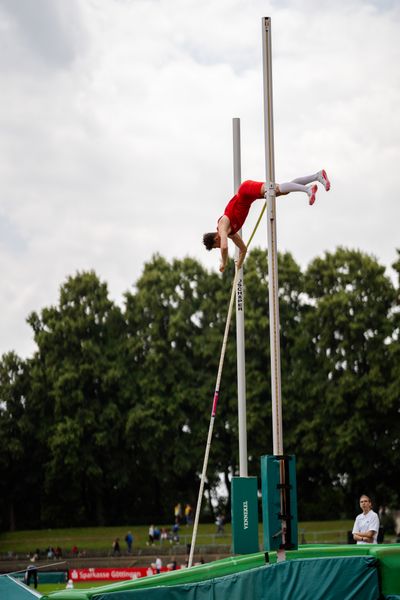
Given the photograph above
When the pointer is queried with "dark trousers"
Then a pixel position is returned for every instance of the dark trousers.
(32, 574)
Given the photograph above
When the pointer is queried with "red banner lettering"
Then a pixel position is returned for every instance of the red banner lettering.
(112, 574)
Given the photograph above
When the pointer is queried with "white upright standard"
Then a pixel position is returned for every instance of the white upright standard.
(272, 245)
(240, 348)
(277, 434)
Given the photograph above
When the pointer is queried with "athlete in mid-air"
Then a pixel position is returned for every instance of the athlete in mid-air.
(238, 208)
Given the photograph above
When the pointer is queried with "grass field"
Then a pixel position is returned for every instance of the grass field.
(99, 539)
(46, 588)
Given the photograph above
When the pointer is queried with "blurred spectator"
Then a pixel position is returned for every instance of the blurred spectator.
(156, 534)
(158, 564)
(116, 547)
(74, 551)
(387, 519)
(178, 513)
(220, 521)
(58, 552)
(70, 584)
(50, 553)
(164, 535)
(175, 533)
(188, 514)
(151, 536)
(172, 566)
(31, 573)
(129, 541)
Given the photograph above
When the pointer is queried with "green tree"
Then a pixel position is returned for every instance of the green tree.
(347, 404)
(294, 376)
(108, 421)
(392, 396)
(166, 324)
(78, 372)
(15, 441)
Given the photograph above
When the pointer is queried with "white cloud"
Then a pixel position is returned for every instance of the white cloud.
(116, 133)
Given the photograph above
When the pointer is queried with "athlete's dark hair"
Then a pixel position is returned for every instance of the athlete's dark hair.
(209, 240)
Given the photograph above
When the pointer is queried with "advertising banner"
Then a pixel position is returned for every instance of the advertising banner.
(113, 574)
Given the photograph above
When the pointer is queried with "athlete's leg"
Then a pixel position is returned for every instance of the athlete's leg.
(321, 177)
(300, 185)
(306, 179)
(292, 186)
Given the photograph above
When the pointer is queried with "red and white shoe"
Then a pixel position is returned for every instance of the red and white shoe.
(311, 194)
(323, 178)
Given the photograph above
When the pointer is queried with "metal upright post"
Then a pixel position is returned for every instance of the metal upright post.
(240, 349)
(244, 493)
(272, 245)
(286, 515)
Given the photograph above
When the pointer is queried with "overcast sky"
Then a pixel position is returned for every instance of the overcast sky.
(116, 134)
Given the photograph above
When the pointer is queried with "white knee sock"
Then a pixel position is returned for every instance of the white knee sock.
(306, 179)
(286, 188)
(298, 184)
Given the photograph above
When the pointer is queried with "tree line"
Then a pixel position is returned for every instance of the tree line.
(106, 422)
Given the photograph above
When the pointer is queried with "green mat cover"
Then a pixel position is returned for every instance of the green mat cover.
(351, 578)
(388, 556)
(12, 589)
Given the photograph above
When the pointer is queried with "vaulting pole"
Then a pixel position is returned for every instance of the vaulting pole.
(240, 348)
(212, 421)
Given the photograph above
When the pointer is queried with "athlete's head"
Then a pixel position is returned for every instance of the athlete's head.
(211, 240)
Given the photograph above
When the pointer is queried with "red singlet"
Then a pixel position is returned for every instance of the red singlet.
(238, 208)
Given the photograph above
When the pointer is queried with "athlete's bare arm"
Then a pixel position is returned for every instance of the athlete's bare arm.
(236, 239)
(224, 227)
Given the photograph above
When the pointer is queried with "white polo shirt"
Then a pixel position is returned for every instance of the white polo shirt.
(365, 523)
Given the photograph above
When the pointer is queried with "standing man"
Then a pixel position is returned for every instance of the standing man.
(238, 208)
(31, 573)
(366, 525)
(129, 541)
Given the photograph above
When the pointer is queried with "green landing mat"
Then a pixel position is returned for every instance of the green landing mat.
(347, 578)
(11, 589)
